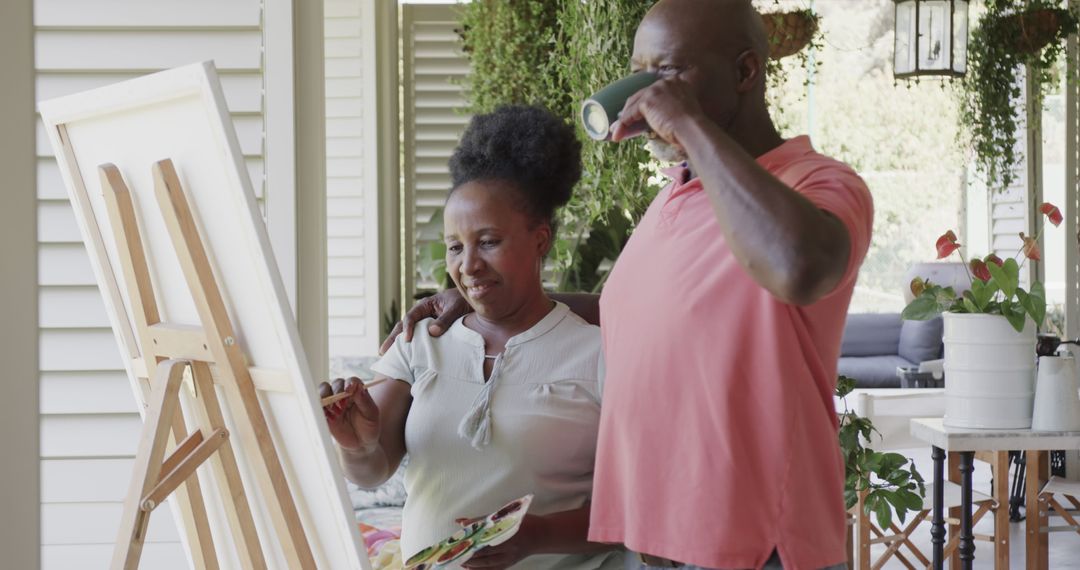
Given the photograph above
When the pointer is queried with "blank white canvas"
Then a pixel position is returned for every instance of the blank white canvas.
(180, 114)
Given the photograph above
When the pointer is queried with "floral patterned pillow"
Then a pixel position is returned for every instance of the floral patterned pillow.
(389, 494)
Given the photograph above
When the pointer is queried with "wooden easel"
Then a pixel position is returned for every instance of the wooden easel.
(174, 349)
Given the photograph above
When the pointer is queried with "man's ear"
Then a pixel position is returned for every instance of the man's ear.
(749, 66)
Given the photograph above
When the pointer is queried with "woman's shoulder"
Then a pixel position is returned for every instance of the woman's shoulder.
(575, 325)
(574, 335)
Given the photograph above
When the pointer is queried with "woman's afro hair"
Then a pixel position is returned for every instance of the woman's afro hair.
(527, 146)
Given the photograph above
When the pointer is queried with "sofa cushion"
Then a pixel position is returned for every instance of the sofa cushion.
(871, 334)
(921, 340)
(872, 371)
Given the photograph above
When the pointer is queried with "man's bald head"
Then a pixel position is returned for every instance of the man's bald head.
(730, 25)
(718, 49)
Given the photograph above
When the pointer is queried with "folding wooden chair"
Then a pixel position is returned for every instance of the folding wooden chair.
(897, 538)
(1067, 507)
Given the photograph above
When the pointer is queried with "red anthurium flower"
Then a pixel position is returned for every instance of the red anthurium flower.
(1031, 248)
(946, 244)
(992, 258)
(1052, 213)
(979, 270)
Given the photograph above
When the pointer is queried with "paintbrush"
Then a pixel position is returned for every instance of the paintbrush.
(342, 395)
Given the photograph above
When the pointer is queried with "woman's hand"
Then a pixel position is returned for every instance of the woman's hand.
(522, 545)
(446, 306)
(354, 421)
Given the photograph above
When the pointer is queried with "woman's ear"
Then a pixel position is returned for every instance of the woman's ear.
(543, 239)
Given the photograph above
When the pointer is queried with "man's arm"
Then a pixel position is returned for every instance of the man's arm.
(788, 245)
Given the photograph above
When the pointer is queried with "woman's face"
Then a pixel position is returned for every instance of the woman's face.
(493, 250)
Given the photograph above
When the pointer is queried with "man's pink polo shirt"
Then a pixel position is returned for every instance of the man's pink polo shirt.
(718, 435)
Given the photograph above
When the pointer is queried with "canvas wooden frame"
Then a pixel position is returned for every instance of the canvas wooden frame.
(180, 115)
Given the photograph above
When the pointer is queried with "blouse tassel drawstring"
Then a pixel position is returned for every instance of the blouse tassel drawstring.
(476, 425)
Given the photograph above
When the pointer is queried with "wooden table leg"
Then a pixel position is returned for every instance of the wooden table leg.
(937, 526)
(1038, 471)
(1001, 512)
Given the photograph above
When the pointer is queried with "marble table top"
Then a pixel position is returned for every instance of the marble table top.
(934, 432)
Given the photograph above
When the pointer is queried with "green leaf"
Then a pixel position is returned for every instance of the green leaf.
(1002, 279)
(1014, 313)
(909, 500)
(1036, 303)
(1012, 270)
(890, 497)
(882, 512)
(922, 308)
(970, 305)
(844, 386)
(889, 463)
(981, 294)
(850, 498)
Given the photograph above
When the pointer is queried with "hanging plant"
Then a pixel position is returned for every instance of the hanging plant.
(789, 32)
(1011, 34)
(793, 37)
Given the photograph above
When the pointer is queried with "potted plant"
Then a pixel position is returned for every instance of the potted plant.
(1012, 33)
(989, 339)
(888, 481)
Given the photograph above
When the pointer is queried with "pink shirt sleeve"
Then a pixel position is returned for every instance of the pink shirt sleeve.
(836, 189)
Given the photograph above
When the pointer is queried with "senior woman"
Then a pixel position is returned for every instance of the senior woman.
(507, 402)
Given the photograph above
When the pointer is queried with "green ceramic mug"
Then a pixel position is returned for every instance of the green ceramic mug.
(602, 109)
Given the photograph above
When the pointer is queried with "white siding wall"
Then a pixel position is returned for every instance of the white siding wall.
(1010, 210)
(434, 116)
(346, 227)
(89, 421)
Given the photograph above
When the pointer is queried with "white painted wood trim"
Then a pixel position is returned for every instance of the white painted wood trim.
(1034, 157)
(382, 198)
(20, 484)
(1070, 209)
(279, 141)
(310, 151)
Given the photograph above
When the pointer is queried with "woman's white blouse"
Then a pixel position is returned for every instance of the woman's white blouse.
(543, 401)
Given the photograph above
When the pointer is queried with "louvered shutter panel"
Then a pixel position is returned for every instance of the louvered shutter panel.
(434, 118)
(345, 224)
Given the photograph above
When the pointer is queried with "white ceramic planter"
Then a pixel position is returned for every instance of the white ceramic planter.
(989, 372)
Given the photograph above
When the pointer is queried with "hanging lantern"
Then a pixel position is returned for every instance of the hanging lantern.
(931, 38)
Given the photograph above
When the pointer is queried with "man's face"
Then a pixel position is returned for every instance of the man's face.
(671, 46)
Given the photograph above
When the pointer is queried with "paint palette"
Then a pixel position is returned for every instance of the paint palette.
(458, 548)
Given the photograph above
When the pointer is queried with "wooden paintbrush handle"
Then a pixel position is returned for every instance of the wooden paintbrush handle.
(342, 395)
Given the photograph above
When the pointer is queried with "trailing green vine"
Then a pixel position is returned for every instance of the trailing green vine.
(1010, 35)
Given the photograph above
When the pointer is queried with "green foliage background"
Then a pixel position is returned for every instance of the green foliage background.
(555, 53)
(991, 88)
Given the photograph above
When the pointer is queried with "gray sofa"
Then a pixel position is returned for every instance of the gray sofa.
(875, 344)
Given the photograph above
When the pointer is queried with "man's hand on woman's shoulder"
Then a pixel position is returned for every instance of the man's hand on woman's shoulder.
(445, 307)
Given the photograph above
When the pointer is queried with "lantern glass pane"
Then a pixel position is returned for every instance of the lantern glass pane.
(904, 46)
(935, 39)
(960, 36)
